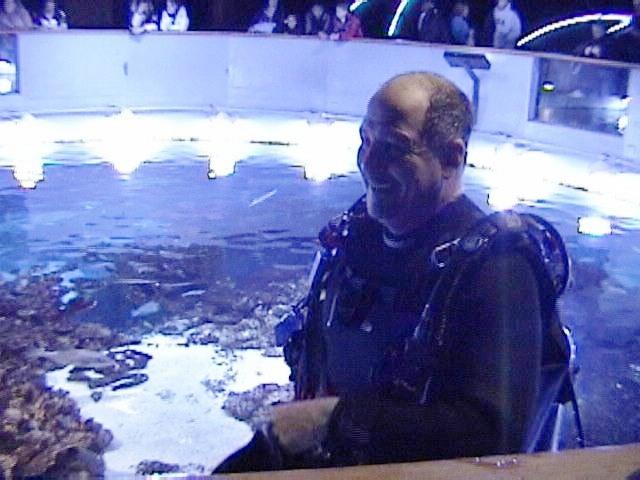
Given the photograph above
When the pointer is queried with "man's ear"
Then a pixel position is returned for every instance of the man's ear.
(454, 157)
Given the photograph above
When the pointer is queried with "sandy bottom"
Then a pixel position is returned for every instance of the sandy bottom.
(176, 416)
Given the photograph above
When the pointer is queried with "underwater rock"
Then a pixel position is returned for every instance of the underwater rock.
(131, 359)
(178, 326)
(43, 435)
(129, 381)
(226, 319)
(216, 387)
(254, 406)
(204, 335)
(80, 358)
(80, 464)
(154, 467)
(118, 379)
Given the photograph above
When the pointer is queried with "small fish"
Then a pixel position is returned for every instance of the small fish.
(135, 281)
(148, 308)
(194, 293)
(78, 357)
(264, 197)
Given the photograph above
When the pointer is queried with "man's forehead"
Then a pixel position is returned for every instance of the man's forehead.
(403, 108)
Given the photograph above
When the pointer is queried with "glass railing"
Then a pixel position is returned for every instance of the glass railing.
(582, 94)
(8, 64)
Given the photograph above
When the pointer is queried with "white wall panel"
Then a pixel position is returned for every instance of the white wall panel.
(277, 73)
(111, 69)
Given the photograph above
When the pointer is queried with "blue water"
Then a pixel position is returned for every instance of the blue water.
(258, 226)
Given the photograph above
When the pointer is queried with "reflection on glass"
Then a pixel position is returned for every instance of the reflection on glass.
(126, 140)
(582, 95)
(8, 64)
(26, 143)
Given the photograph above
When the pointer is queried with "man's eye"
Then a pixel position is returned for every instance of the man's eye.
(394, 149)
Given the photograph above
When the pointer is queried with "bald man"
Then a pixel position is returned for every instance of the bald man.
(356, 403)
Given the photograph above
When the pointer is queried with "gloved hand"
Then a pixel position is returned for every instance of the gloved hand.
(296, 428)
(301, 426)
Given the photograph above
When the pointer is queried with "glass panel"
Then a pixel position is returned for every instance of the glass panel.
(582, 95)
(8, 64)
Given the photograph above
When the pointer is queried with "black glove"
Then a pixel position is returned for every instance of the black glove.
(261, 454)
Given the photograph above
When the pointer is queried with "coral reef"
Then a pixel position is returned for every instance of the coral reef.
(155, 467)
(72, 316)
(41, 430)
(254, 405)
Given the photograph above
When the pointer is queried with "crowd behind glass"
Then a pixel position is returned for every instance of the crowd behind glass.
(327, 19)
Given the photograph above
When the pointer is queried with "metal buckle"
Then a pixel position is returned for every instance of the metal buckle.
(442, 253)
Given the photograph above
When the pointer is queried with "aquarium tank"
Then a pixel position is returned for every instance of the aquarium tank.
(160, 204)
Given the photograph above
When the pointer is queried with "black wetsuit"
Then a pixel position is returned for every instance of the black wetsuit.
(485, 390)
(487, 387)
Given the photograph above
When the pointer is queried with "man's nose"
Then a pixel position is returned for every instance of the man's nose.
(372, 159)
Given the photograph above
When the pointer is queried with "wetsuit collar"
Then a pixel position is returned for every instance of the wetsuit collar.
(445, 220)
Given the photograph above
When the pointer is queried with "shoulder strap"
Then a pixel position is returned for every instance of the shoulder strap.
(300, 332)
(502, 232)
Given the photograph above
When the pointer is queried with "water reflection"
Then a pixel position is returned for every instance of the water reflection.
(168, 261)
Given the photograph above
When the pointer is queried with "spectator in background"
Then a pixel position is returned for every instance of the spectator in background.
(508, 26)
(431, 26)
(316, 20)
(51, 17)
(292, 25)
(461, 31)
(143, 17)
(270, 19)
(174, 17)
(595, 47)
(14, 16)
(484, 38)
(344, 25)
(626, 45)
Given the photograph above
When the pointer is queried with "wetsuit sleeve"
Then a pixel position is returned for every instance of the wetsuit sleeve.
(490, 381)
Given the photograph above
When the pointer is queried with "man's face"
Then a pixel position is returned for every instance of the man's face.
(502, 4)
(317, 10)
(291, 21)
(172, 7)
(597, 31)
(402, 178)
(341, 12)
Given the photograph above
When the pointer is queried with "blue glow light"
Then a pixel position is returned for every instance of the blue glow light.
(357, 4)
(396, 17)
(30, 142)
(126, 140)
(624, 22)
